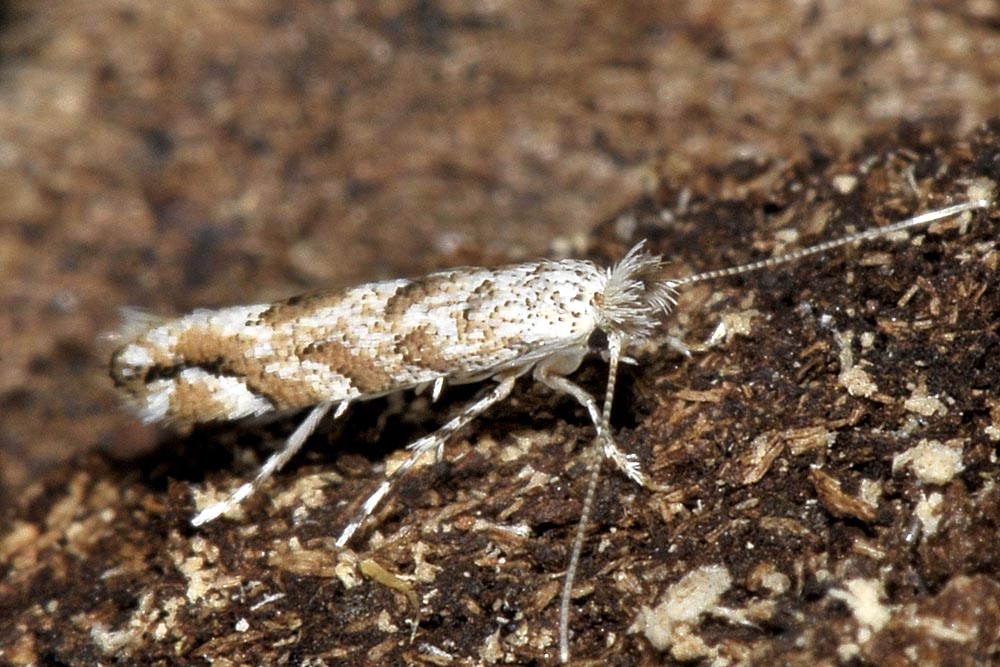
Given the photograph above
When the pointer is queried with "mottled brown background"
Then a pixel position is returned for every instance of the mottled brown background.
(180, 154)
(183, 154)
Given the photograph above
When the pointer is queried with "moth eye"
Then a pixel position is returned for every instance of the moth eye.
(597, 339)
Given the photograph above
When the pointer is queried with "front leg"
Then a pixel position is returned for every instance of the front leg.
(550, 372)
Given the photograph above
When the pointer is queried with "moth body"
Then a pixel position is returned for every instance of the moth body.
(456, 326)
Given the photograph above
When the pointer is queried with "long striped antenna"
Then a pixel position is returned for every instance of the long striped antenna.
(603, 440)
(876, 232)
(663, 301)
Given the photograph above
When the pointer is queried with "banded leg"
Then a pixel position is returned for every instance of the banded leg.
(273, 464)
(627, 463)
(425, 444)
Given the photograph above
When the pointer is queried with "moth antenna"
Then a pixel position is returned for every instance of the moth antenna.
(615, 345)
(635, 291)
(574, 558)
(902, 225)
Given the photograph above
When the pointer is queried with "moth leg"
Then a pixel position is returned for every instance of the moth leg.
(678, 345)
(549, 374)
(273, 464)
(561, 384)
(425, 444)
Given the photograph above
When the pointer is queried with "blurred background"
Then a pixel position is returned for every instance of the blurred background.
(174, 155)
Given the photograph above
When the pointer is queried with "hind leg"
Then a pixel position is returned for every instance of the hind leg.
(273, 464)
(433, 441)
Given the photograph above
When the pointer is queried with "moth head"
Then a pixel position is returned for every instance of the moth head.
(637, 295)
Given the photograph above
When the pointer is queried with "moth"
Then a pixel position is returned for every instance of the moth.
(326, 350)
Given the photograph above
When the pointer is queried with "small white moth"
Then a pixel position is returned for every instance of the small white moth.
(464, 325)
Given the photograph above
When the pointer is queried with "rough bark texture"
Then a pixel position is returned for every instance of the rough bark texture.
(828, 465)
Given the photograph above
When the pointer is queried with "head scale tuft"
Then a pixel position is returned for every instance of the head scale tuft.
(637, 295)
